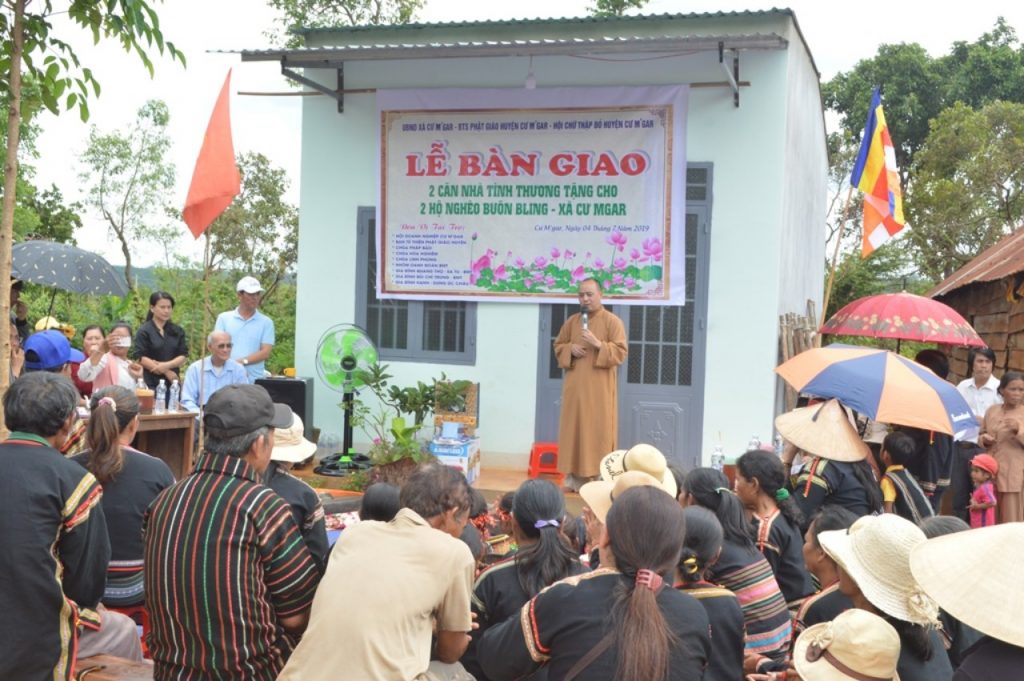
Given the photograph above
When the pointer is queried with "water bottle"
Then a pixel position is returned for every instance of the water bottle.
(718, 458)
(172, 402)
(161, 398)
(779, 446)
(754, 444)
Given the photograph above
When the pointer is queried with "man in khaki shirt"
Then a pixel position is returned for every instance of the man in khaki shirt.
(390, 586)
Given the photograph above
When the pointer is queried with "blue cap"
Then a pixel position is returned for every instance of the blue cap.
(49, 349)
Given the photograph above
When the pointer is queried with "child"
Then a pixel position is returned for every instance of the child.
(725, 617)
(900, 492)
(984, 468)
(760, 486)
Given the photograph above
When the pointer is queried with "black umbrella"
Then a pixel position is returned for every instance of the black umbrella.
(65, 267)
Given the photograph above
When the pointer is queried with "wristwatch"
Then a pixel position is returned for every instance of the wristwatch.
(245, 361)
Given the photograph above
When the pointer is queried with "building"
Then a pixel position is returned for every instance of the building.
(755, 201)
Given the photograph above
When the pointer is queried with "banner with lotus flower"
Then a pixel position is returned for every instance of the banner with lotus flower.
(519, 195)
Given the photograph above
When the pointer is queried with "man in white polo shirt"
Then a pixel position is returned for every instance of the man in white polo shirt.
(251, 331)
(981, 390)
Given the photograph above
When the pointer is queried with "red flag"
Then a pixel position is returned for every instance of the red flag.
(215, 181)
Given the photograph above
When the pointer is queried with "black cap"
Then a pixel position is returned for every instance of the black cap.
(242, 408)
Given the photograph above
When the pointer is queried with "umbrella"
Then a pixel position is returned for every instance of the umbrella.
(65, 267)
(903, 316)
(885, 386)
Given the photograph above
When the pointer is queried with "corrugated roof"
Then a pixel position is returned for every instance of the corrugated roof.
(1002, 259)
(546, 20)
(317, 56)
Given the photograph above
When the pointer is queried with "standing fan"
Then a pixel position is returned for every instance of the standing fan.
(343, 351)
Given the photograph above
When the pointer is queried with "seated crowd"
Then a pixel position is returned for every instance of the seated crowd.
(830, 563)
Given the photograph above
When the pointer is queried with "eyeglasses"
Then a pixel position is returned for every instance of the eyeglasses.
(221, 346)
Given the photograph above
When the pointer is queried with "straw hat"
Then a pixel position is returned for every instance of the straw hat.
(823, 430)
(875, 552)
(974, 576)
(641, 457)
(290, 445)
(855, 641)
(600, 494)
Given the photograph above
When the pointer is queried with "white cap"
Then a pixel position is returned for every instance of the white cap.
(249, 285)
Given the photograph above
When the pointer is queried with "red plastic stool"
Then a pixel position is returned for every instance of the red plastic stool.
(544, 460)
(141, 616)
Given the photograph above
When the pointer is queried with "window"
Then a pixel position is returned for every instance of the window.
(406, 330)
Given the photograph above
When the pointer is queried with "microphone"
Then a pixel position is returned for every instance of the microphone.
(586, 319)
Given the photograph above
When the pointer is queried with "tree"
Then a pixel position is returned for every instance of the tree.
(258, 233)
(967, 189)
(989, 69)
(31, 51)
(615, 8)
(129, 180)
(332, 13)
(54, 220)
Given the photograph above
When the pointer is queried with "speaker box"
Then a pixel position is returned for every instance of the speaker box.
(297, 393)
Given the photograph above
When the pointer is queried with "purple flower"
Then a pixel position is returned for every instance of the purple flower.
(578, 274)
(617, 239)
(481, 264)
(520, 262)
(555, 254)
(376, 440)
(634, 254)
(617, 278)
(475, 235)
(500, 274)
(540, 261)
(652, 248)
(599, 264)
(528, 282)
(569, 254)
(606, 284)
(549, 281)
(620, 263)
(630, 282)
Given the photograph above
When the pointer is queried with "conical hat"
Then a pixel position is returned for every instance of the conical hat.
(823, 430)
(974, 576)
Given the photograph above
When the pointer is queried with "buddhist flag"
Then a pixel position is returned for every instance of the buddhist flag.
(215, 181)
(876, 175)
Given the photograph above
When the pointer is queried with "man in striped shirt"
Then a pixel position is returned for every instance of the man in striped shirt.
(229, 580)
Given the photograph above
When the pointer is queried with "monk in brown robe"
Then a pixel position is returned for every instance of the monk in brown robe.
(589, 353)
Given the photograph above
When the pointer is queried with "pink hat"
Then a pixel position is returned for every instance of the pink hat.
(987, 463)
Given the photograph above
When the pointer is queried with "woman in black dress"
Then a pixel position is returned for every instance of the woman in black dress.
(160, 345)
(621, 621)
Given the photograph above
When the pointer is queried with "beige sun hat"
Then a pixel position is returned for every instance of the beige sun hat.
(823, 430)
(875, 552)
(972, 576)
(290, 445)
(641, 457)
(600, 494)
(855, 641)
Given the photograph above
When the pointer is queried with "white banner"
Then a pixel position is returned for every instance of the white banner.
(518, 195)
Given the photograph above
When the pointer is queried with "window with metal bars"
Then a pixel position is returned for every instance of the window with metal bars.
(412, 331)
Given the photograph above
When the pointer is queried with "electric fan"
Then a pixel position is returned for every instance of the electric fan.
(343, 351)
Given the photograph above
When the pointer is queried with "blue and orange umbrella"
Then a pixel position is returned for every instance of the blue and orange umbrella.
(887, 387)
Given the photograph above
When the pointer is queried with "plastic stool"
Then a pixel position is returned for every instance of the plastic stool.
(141, 617)
(544, 460)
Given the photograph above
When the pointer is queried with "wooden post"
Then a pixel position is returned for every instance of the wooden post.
(835, 259)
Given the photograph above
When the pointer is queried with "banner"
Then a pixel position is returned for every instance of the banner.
(518, 195)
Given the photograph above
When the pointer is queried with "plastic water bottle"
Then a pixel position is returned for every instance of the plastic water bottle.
(161, 398)
(754, 444)
(172, 402)
(718, 458)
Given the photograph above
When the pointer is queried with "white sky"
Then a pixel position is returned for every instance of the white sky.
(839, 35)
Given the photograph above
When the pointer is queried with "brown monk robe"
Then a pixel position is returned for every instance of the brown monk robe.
(588, 425)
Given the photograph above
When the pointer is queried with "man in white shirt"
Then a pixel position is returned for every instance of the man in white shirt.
(981, 391)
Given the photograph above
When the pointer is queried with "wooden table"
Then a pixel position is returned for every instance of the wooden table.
(168, 436)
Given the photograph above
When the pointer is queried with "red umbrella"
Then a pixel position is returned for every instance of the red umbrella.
(903, 316)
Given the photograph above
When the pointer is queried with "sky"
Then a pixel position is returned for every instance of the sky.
(838, 34)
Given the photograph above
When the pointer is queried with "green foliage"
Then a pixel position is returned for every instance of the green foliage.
(259, 232)
(969, 178)
(313, 14)
(63, 83)
(55, 220)
(615, 8)
(128, 179)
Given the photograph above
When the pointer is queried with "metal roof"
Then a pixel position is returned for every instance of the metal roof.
(1002, 259)
(323, 56)
(305, 31)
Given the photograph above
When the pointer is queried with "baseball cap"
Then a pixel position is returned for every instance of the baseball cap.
(249, 285)
(49, 349)
(242, 408)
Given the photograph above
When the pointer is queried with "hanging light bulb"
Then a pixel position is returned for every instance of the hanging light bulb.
(531, 80)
